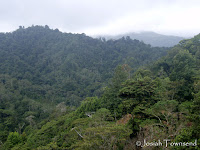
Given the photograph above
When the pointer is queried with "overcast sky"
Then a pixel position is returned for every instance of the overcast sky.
(93, 17)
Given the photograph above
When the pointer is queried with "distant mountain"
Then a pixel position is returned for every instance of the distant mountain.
(152, 38)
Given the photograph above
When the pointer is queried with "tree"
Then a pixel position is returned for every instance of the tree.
(105, 137)
(103, 114)
(183, 65)
(139, 91)
(122, 73)
(13, 139)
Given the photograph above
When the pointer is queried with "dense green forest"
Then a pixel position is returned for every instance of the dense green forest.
(70, 91)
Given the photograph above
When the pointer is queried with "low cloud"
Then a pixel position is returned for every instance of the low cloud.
(178, 17)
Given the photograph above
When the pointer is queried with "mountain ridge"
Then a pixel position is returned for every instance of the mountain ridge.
(148, 37)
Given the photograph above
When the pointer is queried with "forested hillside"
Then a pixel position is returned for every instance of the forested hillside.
(74, 65)
(45, 74)
(158, 102)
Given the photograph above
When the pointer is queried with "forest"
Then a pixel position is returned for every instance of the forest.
(64, 91)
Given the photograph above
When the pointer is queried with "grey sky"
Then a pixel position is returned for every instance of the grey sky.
(175, 17)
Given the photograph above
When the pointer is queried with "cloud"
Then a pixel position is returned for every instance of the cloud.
(178, 17)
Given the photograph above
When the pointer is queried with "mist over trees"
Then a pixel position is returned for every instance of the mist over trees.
(152, 38)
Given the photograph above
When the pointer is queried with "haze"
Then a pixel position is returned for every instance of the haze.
(100, 17)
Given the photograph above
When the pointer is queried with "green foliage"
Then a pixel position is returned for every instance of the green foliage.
(122, 73)
(183, 66)
(41, 67)
(106, 137)
(195, 117)
(14, 138)
(50, 146)
(44, 72)
(180, 65)
(139, 91)
(56, 66)
(103, 114)
(110, 99)
(164, 107)
(90, 104)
